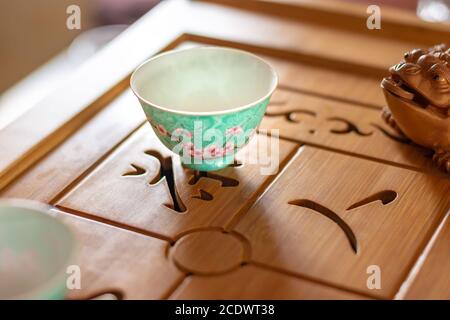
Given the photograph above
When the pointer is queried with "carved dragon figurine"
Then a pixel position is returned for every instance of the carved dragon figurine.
(417, 93)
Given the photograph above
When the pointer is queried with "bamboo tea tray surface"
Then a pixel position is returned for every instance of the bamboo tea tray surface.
(88, 151)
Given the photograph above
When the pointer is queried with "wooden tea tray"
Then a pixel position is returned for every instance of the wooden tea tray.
(255, 236)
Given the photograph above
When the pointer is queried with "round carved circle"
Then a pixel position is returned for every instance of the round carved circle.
(208, 252)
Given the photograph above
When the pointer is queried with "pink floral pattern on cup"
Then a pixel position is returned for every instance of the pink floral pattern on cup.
(229, 148)
(233, 131)
(182, 132)
(161, 129)
(210, 152)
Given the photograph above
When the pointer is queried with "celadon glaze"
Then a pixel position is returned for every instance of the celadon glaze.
(35, 251)
(236, 129)
(204, 103)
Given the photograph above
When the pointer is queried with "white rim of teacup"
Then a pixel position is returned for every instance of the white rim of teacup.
(209, 113)
(54, 280)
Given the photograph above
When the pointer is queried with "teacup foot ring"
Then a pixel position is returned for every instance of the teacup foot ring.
(210, 164)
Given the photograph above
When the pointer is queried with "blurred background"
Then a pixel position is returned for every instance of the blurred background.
(37, 50)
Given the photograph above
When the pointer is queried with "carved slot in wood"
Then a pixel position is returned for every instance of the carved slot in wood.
(137, 171)
(392, 136)
(292, 116)
(166, 170)
(204, 195)
(305, 203)
(349, 127)
(427, 153)
(236, 164)
(225, 181)
(386, 197)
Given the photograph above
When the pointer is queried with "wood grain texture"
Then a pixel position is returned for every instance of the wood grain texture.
(328, 83)
(342, 126)
(115, 260)
(315, 227)
(209, 251)
(94, 85)
(396, 23)
(432, 280)
(251, 282)
(131, 173)
(303, 239)
(88, 145)
(345, 46)
(76, 154)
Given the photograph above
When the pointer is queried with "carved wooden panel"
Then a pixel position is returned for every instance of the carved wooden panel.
(251, 282)
(218, 265)
(77, 154)
(116, 261)
(349, 192)
(344, 126)
(162, 197)
(331, 216)
(431, 280)
(210, 251)
(328, 83)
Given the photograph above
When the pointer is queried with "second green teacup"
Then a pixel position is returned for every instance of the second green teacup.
(204, 103)
(35, 251)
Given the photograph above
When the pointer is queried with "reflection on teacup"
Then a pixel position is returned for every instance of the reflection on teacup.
(204, 103)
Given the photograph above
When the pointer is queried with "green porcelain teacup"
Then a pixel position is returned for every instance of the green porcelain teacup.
(204, 103)
(35, 251)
